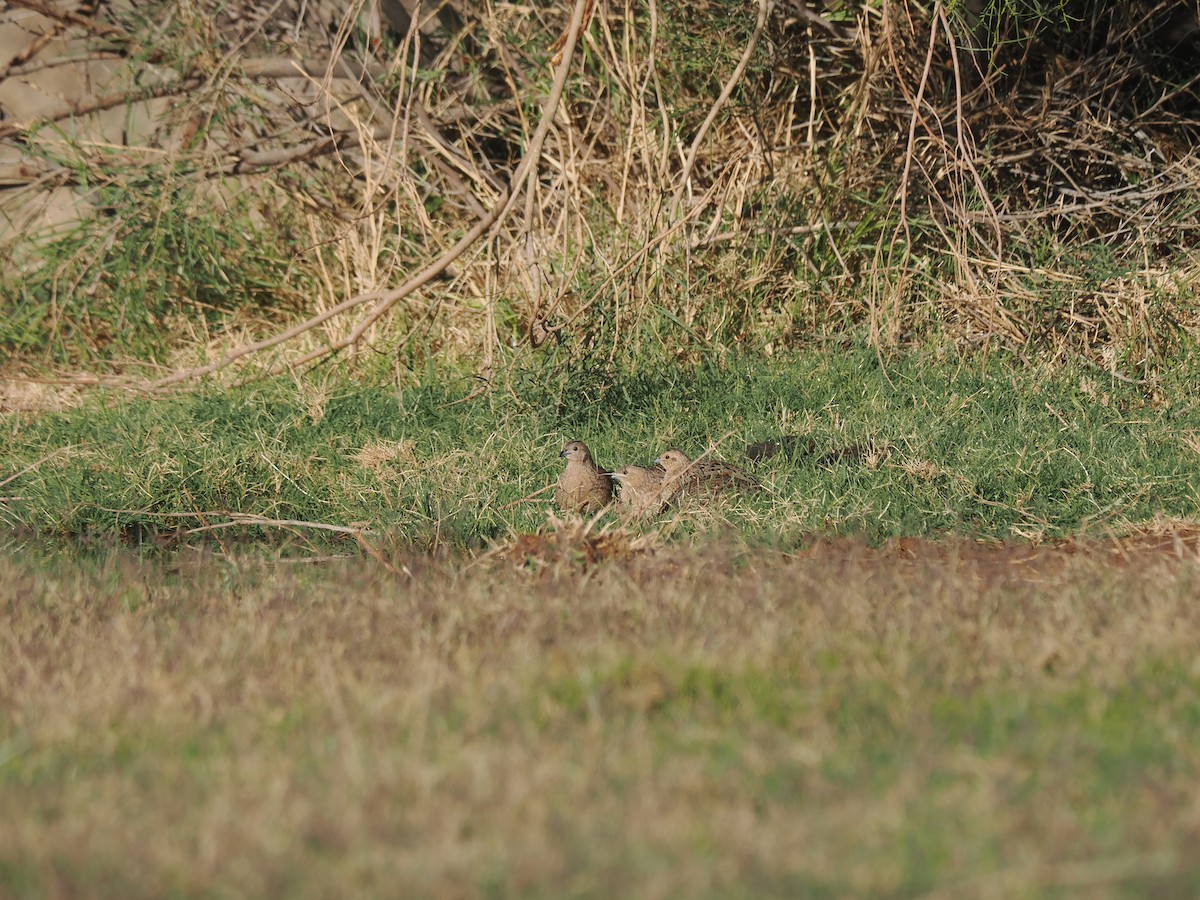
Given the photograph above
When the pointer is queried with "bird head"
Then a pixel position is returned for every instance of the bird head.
(576, 450)
(673, 461)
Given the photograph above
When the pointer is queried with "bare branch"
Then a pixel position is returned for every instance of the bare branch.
(385, 301)
(70, 17)
(33, 465)
(764, 7)
(99, 104)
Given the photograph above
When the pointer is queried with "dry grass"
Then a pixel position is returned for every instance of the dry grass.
(879, 167)
(575, 540)
(849, 721)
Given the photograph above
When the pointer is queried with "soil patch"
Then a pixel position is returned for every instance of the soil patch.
(1000, 562)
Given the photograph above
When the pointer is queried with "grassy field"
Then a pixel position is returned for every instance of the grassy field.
(992, 449)
(288, 357)
(958, 663)
(923, 719)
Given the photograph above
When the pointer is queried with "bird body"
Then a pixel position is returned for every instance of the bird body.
(583, 486)
(641, 489)
(687, 477)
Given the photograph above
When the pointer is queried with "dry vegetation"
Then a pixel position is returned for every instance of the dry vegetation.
(985, 720)
(1015, 176)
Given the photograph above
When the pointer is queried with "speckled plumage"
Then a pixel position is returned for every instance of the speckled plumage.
(687, 477)
(641, 489)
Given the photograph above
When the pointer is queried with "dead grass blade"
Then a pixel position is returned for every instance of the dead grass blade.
(385, 301)
(61, 451)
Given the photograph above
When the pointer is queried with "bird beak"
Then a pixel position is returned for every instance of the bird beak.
(564, 453)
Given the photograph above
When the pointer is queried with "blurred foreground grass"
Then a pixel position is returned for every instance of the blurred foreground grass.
(926, 720)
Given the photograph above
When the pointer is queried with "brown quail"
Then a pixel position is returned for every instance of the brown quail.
(583, 486)
(641, 489)
(686, 477)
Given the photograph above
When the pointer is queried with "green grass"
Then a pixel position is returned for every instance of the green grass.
(995, 449)
(166, 264)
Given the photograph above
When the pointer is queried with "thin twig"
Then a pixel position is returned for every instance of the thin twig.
(386, 300)
(71, 17)
(527, 498)
(759, 231)
(764, 7)
(41, 65)
(244, 519)
(33, 465)
(100, 104)
(236, 520)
